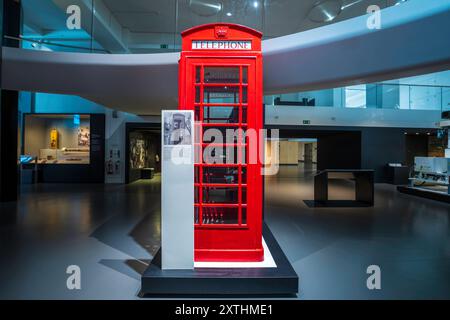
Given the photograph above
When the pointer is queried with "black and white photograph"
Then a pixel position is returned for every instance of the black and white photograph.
(177, 128)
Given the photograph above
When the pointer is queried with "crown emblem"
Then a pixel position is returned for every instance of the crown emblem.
(221, 31)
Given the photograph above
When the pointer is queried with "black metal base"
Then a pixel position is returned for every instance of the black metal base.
(439, 196)
(281, 280)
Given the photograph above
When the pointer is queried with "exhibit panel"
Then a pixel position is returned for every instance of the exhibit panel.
(177, 217)
(221, 81)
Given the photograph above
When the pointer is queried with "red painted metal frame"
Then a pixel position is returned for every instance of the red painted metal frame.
(242, 240)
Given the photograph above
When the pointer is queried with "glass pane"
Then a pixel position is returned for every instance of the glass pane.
(356, 96)
(197, 74)
(220, 195)
(196, 195)
(221, 75)
(220, 215)
(222, 94)
(196, 215)
(425, 98)
(445, 98)
(244, 215)
(221, 115)
(244, 75)
(223, 175)
(223, 155)
(244, 94)
(229, 134)
(197, 113)
(197, 94)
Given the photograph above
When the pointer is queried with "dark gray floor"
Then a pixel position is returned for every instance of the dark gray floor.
(112, 231)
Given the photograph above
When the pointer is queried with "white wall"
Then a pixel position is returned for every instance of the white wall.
(288, 152)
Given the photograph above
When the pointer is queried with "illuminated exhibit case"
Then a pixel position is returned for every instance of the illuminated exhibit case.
(65, 147)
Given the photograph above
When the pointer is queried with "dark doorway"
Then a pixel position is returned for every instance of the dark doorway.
(143, 151)
(416, 146)
(424, 144)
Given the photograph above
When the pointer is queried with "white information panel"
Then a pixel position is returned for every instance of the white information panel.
(177, 190)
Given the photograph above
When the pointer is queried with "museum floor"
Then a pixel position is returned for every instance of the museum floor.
(111, 232)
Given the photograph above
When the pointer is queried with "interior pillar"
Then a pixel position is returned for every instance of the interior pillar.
(9, 169)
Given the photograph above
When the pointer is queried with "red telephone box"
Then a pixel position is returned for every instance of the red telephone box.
(220, 78)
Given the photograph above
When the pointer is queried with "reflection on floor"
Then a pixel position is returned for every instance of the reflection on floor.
(109, 231)
(112, 231)
(330, 248)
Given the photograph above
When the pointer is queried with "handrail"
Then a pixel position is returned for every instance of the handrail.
(45, 42)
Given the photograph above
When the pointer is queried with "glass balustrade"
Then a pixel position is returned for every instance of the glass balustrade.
(378, 95)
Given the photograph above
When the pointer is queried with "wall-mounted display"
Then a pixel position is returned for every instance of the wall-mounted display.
(57, 139)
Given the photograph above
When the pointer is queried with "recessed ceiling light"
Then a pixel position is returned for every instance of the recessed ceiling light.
(229, 14)
(255, 4)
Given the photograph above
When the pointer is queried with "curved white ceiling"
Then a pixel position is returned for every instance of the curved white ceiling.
(413, 40)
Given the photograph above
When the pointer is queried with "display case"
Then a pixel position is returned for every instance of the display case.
(431, 173)
(57, 139)
(66, 148)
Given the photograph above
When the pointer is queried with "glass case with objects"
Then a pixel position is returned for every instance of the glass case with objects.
(57, 138)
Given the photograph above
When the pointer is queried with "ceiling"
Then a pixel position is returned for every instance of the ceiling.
(273, 17)
(145, 26)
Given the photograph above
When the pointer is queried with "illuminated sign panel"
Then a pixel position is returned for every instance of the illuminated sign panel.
(221, 45)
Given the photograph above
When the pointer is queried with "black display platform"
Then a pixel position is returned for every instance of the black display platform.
(281, 280)
(429, 194)
(364, 189)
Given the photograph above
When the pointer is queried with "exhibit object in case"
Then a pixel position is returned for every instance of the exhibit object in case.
(54, 139)
(220, 79)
